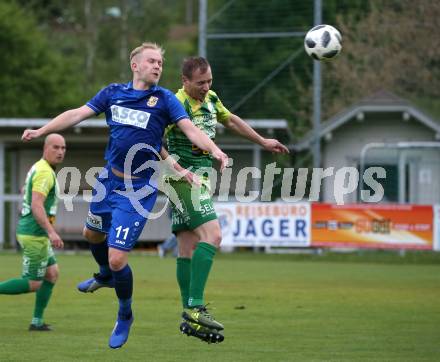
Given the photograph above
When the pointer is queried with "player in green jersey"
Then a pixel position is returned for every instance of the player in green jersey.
(36, 233)
(197, 228)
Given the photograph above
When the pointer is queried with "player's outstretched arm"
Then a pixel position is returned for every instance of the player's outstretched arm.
(240, 127)
(186, 174)
(64, 120)
(201, 140)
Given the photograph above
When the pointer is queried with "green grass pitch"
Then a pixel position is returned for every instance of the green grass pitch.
(274, 307)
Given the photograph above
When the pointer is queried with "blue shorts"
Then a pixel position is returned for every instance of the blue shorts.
(120, 210)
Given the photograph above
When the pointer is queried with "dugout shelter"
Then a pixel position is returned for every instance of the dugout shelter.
(85, 152)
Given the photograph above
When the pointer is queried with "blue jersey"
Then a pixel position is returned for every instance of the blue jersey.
(136, 117)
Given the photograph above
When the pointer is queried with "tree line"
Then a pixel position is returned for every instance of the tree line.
(56, 54)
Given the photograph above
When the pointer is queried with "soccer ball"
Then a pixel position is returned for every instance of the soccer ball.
(323, 42)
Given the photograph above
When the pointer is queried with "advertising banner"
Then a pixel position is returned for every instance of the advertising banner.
(372, 226)
(436, 245)
(264, 224)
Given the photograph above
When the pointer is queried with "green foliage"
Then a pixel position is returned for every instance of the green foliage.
(393, 47)
(332, 9)
(102, 34)
(56, 54)
(33, 75)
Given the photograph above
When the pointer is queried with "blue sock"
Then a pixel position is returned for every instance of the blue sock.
(105, 271)
(124, 290)
(100, 253)
(125, 312)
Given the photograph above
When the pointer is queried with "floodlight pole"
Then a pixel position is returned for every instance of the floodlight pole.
(2, 194)
(203, 20)
(316, 147)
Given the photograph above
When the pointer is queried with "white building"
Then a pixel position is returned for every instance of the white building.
(387, 131)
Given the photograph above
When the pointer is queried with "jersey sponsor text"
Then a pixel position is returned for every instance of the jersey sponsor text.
(130, 116)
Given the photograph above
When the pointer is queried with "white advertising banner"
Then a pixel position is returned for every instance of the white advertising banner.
(264, 224)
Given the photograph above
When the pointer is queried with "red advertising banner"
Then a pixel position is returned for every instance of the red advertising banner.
(372, 226)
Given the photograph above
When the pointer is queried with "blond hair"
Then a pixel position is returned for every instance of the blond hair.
(146, 45)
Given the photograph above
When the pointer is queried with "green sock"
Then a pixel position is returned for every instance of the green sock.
(14, 286)
(42, 299)
(201, 264)
(37, 321)
(183, 273)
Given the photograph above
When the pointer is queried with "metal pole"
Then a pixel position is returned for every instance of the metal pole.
(14, 189)
(203, 14)
(316, 148)
(402, 176)
(2, 193)
(256, 156)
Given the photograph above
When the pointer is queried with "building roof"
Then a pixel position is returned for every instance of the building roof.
(382, 101)
(100, 123)
(91, 130)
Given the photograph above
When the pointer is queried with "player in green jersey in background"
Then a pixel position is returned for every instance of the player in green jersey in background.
(197, 228)
(36, 233)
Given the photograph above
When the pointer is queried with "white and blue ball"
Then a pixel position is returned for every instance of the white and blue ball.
(323, 42)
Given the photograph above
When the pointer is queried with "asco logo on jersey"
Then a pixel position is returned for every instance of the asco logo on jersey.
(130, 116)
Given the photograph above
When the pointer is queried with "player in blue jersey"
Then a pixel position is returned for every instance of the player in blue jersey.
(137, 114)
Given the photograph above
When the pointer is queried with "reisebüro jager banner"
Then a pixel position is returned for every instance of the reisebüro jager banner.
(264, 224)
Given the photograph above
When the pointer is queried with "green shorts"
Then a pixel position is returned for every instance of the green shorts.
(196, 210)
(37, 256)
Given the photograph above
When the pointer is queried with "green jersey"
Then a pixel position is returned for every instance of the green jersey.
(205, 116)
(40, 178)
